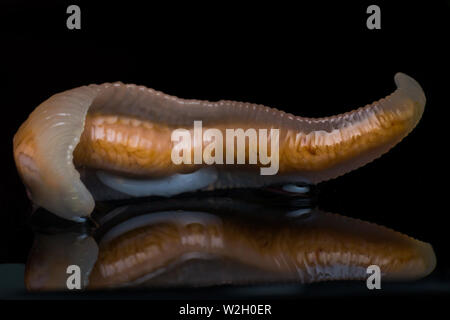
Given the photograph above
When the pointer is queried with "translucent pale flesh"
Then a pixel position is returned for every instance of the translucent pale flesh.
(127, 129)
(319, 248)
(166, 186)
(50, 257)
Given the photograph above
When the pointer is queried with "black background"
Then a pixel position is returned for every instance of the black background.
(312, 60)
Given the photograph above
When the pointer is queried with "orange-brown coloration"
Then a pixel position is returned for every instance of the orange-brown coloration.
(142, 147)
(331, 241)
(124, 144)
(317, 152)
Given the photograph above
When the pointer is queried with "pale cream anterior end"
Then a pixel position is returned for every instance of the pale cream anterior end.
(125, 132)
(43, 151)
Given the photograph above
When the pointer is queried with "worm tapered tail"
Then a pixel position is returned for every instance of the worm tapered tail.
(127, 129)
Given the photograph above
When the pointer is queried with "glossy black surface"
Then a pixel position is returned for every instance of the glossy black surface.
(313, 61)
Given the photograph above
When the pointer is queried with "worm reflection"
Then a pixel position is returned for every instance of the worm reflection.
(185, 247)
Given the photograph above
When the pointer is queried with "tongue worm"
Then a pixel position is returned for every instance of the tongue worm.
(121, 135)
(319, 247)
(187, 248)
